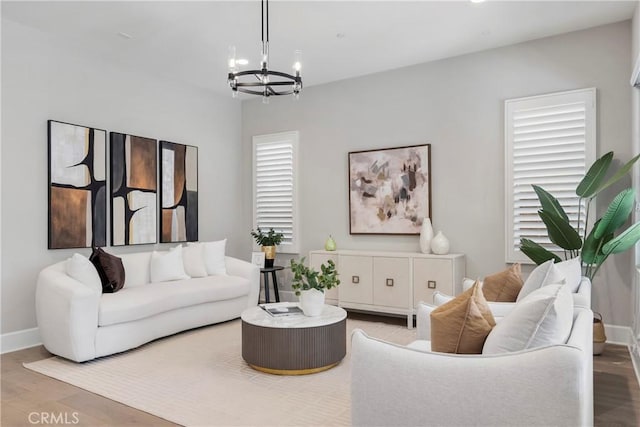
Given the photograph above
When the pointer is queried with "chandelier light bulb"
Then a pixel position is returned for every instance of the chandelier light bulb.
(297, 61)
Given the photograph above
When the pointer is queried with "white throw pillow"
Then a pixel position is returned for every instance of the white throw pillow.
(214, 253)
(468, 283)
(193, 258)
(571, 270)
(80, 268)
(544, 317)
(543, 275)
(166, 266)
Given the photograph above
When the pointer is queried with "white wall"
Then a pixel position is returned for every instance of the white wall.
(456, 105)
(41, 80)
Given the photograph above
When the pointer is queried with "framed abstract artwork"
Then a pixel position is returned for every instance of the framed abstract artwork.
(389, 190)
(134, 182)
(77, 186)
(178, 193)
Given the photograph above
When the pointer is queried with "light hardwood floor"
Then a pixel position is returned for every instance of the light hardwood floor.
(27, 394)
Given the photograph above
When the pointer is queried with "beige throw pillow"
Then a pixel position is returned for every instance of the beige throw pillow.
(503, 286)
(462, 324)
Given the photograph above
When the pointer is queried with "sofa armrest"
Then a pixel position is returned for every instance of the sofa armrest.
(582, 298)
(251, 272)
(395, 385)
(67, 314)
(498, 309)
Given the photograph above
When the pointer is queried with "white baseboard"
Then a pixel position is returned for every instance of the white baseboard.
(635, 358)
(18, 340)
(621, 335)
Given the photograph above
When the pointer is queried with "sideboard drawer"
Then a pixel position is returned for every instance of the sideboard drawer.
(391, 282)
(430, 275)
(356, 283)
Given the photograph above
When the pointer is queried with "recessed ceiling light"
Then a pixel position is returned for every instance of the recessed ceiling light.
(242, 61)
(477, 1)
(125, 35)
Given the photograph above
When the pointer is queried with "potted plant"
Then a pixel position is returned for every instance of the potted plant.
(597, 244)
(268, 242)
(309, 284)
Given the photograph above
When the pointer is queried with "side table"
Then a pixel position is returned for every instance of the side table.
(265, 274)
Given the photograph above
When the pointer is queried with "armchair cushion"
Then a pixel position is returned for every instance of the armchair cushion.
(571, 270)
(503, 286)
(462, 324)
(543, 318)
(543, 275)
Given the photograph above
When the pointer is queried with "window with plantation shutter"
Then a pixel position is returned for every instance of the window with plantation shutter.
(550, 141)
(274, 187)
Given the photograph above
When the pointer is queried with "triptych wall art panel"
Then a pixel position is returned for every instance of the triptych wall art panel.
(179, 192)
(389, 190)
(133, 189)
(77, 186)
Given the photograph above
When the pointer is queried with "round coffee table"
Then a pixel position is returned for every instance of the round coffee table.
(293, 345)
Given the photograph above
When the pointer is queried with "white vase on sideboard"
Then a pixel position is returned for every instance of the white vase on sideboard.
(440, 244)
(426, 234)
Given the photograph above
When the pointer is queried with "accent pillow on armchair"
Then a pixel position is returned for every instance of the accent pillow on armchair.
(462, 324)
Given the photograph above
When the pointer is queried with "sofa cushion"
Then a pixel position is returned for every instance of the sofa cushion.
(543, 275)
(80, 268)
(214, 257)
(167, 266)
(140, 302)
(544, 317)
(110, 270)
(193, 258)
(571, 270)
(462, 324)
(136, 268)
(503, 286)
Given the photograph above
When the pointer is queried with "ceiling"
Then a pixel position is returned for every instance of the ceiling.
(189, 41)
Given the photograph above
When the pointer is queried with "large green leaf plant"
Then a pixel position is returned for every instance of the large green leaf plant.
(595, 245)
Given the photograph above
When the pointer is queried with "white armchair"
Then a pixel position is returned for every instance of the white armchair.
(394, 385)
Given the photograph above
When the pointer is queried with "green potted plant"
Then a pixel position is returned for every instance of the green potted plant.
(268, 242)
(309, 284)
(597, 244)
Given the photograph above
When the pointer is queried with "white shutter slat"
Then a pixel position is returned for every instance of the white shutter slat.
(274, 184)
(547, 140)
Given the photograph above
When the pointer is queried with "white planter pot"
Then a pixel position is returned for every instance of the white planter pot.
(312, 302)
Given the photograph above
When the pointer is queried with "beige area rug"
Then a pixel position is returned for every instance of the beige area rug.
(198, 378)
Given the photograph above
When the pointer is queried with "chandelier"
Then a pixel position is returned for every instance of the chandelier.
(264, 82)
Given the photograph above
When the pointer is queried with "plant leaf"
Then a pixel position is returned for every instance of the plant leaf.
(619, 174)
(549, 203)
(537, 253)
(591, 182)
(626, 240)
(590, 254)
(560, 231)
(617, 213)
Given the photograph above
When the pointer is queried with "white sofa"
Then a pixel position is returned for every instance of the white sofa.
(412, 386)
(80, 323)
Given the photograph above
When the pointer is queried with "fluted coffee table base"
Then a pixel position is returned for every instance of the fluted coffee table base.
(284, 346)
